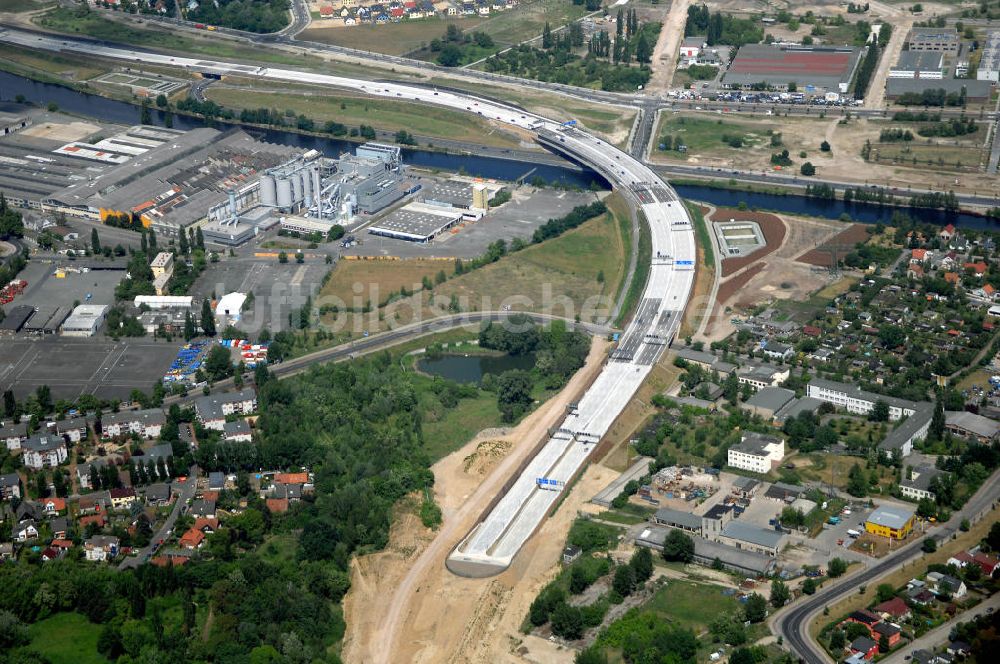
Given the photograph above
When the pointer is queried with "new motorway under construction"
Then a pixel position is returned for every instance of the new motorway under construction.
(493, 543)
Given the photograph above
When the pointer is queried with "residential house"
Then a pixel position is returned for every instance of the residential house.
(6, 551)
(866, 618)
(894, 609)
(216, 481)
(205, 508)
(945, 584)
(44, 452)
(959, 649)
(237, 431)
(947, 232)
(49, 553)
(122, 498)
(985, 292)
(979, 268)
(13, 434)
(917, 485)
(277, 505)
(206, 525)
(94, 503)
(25, 530)
(10, 486)
(760, 376)
(158, 494)
(146, 423)
(192, 539)
(865, 647)
(213, 409)
(890, 632)
(73, 430)
(777, 351)
(60, 527)
(919, 256)
(83, 472)
(915, 271)
(100, 548)
(53, 506)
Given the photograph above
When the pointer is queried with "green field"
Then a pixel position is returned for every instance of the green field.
(382, 114)
(413, 36)
(691, 604)
(456, 426)
(946, 157)
(392, 39)
(66, 638)
(90, 23)
(568, 266)
(703, 135)
(528, 20)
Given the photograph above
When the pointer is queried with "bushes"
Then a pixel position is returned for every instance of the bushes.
(895, 135)
(950, 128)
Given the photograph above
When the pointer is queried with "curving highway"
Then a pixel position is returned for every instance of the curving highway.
(491, 546)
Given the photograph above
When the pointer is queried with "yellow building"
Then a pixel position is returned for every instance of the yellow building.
(891, 521)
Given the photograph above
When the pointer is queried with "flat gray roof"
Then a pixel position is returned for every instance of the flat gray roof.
(977, 424)
(895, 87)
(919, 60)
(707, 551)
(907, 429)
(771, 398)
(754, 443)
(753, 534)
(890, 516)
(685, 519)
(825, 67)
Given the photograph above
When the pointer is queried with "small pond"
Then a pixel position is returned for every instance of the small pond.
(472, 368)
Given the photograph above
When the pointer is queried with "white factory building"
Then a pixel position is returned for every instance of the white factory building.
(757, 453)
(85, 320)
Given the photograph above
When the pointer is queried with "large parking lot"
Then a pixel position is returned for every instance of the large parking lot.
(45, 290)
(71, 367)
(529, 209)
(277, 287)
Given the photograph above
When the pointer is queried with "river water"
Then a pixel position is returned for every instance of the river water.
(109, 110)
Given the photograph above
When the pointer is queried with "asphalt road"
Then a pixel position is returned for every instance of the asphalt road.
(382, 340)
(793, 623)
(939, 635)
(183, 493)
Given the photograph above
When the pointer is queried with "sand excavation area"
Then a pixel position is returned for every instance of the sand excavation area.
(773, 272)
(405, 606)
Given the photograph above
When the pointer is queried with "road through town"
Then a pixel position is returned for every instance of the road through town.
(793, 623)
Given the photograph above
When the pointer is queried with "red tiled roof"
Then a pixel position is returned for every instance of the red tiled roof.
(192, 538)
(895, 607)
(291, 478)
(277, 505)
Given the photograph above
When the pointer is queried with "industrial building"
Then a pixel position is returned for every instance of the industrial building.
(989, 60)
(173, 185)
(890, 521)
(15, 319)
(13, 119)
(970, 425)
(941, 40)
(229, 308)
(46, 320)
(810, 68)
(85, 320)
(416, 222)
(234, 231)
(757, 453)
(306, 226)
(976, 91)
(918, 64)
(162, 301)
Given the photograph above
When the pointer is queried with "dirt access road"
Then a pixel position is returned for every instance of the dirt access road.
(901, 21)
(664, 60)
(405, 606)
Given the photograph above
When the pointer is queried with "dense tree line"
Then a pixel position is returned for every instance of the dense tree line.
(933, 97)
(895, 135)
(866, 70)
(953, 127)
(251, 15)
(720, 28)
